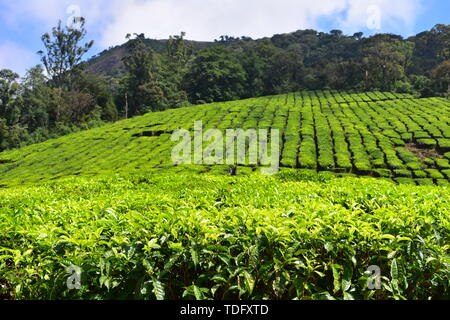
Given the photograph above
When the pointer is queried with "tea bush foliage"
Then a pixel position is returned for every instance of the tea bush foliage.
(297, 235)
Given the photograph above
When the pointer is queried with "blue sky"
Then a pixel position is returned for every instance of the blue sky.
(22, 22)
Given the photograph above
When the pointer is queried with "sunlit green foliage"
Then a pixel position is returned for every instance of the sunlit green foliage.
(297, 235)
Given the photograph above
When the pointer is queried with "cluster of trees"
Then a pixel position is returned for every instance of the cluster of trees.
(57, 100)
(233, 68)
(153, 81)
(65, 97)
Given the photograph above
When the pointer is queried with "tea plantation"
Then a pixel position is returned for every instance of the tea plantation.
(378, 134)
(364, 182)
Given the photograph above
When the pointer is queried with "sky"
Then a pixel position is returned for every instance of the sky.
(22, 22)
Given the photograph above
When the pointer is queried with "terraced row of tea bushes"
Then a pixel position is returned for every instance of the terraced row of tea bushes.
(308, 150)
(292, 135)
(381, 135)
(327, 97)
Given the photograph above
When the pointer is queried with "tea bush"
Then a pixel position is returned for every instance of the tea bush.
(190, 236)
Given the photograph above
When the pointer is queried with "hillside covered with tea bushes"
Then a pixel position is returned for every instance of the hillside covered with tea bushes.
(387, 135)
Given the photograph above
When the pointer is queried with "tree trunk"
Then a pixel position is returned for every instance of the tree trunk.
(126, 105)
(448, 83)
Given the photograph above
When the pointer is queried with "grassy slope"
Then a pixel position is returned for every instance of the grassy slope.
(354, 133)
(158, 231)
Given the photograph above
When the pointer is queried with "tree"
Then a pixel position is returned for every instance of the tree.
(258, 61)
(286, 70)
(441, 75)
(174, 68)
(35, 98)
(255, 68)
(215, 75)
(358, 36)
(422, 85)
(9, 88)
(442, 34)
(4, 133)
(99, 89)
(64, 52)
(12, 134)
(432, 48)
(179, 50)
(141, 85)
(385, 59)
(336, 33)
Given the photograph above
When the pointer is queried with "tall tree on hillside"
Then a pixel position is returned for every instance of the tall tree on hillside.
(442, 34)
(35, 100)
(215, 75)
(385, 59)
(64, 51)
(258, 62)
(11, 132)
(286, 70)
(97, 87)
(441, 75)
(141, 85)
(432, 48)
(173, 68)
(9, 88)
(255, 68)
(178, 49)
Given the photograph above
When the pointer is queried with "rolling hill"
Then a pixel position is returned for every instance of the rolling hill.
(109, 62)
(386, 135)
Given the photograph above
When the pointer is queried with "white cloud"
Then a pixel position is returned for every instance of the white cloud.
(108, 21)
(208, 19)
(395, 16)
(21, 12)
(15, 57)
(111, 20)
(44, 14)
